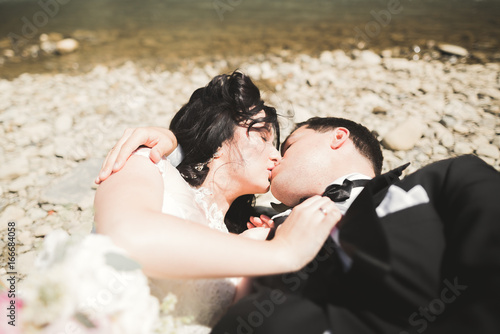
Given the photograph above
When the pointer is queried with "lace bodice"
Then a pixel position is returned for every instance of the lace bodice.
(200, 302)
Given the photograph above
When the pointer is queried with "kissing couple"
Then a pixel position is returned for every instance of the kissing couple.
(357, 252)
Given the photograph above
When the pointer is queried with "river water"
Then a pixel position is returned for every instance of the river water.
(169, 32)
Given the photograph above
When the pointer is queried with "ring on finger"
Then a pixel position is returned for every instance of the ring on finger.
(323, 211)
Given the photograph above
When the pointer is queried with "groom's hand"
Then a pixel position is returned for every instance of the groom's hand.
(162, 142)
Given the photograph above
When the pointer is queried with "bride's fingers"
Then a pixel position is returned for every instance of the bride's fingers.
(137, 138)
(256, 221)
(267, 221)
(109, 162)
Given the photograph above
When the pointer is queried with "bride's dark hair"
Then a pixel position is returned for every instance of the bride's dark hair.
(208, 120)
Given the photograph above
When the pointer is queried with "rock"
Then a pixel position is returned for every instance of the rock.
(397, 64)
(12, 213)
(369, 57)
(26, 262)
(42, 230)
(496, 141)
(24, 222)
(20, 183)
(15, 168)
(404, 136)
(448, 121)
(491, 92)
(494, 109)
(444, 136)
(387, 53)
(36, 213)
(326, 57)
(479, 140)
(67, 148)
(48, 47)
(490, 151)
(9, 53)
(25, 238)
(439, 150)
(453, 50)
(74, 187)
(38, 132)
(463, 148)
(340, 58)
(379, 110)
(55, 37)
(67, 45)
(461, 129)
(63, 123)
(254, 71)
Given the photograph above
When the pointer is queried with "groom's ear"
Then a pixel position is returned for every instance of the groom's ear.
(339, 138)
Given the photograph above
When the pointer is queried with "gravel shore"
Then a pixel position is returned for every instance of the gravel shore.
(56, 129)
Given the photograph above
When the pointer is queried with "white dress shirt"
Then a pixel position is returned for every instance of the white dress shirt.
(343, 206)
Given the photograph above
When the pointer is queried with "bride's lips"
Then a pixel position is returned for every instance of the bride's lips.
(271, 171)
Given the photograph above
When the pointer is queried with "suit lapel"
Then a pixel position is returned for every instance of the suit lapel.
(360, 232)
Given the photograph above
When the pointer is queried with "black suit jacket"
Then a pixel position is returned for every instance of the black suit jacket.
(433, 267)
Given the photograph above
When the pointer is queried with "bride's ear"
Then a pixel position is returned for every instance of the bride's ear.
(217, 154)
(339, 138)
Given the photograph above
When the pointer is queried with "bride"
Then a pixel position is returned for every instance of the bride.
(160, 213)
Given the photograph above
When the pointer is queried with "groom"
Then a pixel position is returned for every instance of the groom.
(421, 254)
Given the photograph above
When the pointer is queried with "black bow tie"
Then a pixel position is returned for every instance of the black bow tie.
(342, 192)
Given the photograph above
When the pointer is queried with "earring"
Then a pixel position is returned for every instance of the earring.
(217, 154)
(199, 167)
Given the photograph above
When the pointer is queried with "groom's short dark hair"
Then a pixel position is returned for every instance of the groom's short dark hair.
(363, 139)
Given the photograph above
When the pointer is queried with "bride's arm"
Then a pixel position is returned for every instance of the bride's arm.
(128, 209)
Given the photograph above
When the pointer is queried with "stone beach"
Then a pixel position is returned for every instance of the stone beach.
(55, 129)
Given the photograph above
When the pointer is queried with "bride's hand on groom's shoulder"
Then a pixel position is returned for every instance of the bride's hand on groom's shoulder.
(161, 140)
(306, 229)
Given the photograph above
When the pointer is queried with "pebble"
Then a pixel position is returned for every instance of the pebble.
(404, 136)
(75, 186)
(42, 230)
(63, 123)
(490, 151)
(13, 169)
(453, 50)
(20, 184)
(463, 148)
(67, 45)
(11, 214)
(369, 58)
(25, 238)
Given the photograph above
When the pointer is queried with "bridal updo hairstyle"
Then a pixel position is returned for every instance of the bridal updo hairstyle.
(208, 120)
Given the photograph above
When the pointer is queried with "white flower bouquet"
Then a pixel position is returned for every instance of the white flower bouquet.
(86, 286)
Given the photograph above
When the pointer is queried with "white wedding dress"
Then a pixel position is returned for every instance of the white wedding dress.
(200, 302)
(90, 284)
